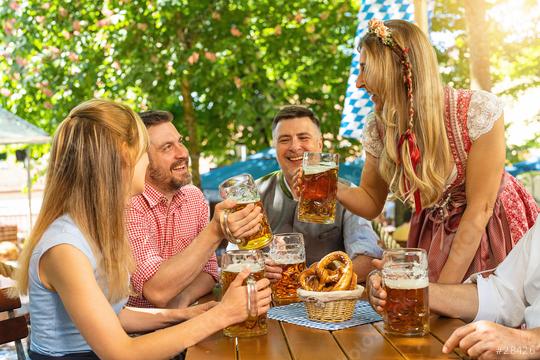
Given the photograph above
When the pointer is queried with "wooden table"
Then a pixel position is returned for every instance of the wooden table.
(287, 341)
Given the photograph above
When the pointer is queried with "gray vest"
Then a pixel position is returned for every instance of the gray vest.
(281, 208)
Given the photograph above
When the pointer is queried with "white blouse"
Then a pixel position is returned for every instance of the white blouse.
(484, 109)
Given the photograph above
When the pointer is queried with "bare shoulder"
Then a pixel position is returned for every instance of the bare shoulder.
(64, 263)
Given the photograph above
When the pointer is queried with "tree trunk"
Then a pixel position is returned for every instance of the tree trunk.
(475, 18)
(191, 124)
(420, 15)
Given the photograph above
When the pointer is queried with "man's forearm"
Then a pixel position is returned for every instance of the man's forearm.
(362, 266)
(533, 341)
(200, 286)
(454, 300)
(178, 272)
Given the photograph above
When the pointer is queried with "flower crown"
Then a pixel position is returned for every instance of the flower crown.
(408, 138)
(377, 27)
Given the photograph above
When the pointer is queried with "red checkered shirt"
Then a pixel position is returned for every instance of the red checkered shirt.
(158, 231)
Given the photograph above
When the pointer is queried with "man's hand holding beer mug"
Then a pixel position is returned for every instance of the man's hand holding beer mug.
(284, 261)
(315, 186)
(245, 194)
(375, 292)
(399, 291)
(241, 224)
(297, 184)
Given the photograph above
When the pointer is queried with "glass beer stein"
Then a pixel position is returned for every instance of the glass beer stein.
(233, 262)
(288, 252)
(243, 189)
(405, 280)
(317, 203)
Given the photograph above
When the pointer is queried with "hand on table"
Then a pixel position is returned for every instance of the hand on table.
(488, 340)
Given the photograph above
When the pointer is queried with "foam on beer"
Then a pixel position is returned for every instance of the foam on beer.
(289, 255)
(288, 260)
(407, 284)
(236, 268)
(320, 168)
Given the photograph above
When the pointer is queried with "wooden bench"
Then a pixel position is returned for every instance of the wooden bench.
(8, 233)
(14, 328)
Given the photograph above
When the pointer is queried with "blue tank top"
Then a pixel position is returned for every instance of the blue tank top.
(53, 333)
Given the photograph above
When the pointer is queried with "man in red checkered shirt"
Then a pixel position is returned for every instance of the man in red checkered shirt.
(172, 240)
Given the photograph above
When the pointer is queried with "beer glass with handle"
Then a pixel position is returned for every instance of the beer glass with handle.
(317, 203)
(233, 262)
(405, 279)
(287, 251)
(243, 189)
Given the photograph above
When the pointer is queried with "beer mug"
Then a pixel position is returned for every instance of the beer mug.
(406, 282)
(317, 203)
(243, 189)
(288, 252)
(233, 262)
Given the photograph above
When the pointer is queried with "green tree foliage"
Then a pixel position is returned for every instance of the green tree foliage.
(222, 67)
(515, 54)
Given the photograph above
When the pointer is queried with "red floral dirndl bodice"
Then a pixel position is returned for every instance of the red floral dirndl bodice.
(515, 210)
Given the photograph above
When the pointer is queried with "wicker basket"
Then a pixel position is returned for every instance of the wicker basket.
(332, 306)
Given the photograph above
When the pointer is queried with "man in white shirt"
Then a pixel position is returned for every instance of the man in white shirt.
(507, 299)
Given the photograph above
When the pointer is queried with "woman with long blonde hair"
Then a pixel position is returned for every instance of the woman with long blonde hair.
(76, 263)
(440, 149)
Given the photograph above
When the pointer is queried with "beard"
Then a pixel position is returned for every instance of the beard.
(163, 179)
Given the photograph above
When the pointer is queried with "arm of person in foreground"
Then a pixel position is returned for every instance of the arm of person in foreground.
(136, 320)
(452, 300)
(178, 272)
(501, 297)
(200, 286)
(488, 340)
(485, 166)
(366, 200)
(102, 329)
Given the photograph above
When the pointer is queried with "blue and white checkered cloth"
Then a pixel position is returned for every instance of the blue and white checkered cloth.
(296, 314)
(357, 102)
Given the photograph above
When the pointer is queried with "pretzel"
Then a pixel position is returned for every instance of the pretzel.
(308, 278)
(333, 273)
(327, 270)
(354, 280)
